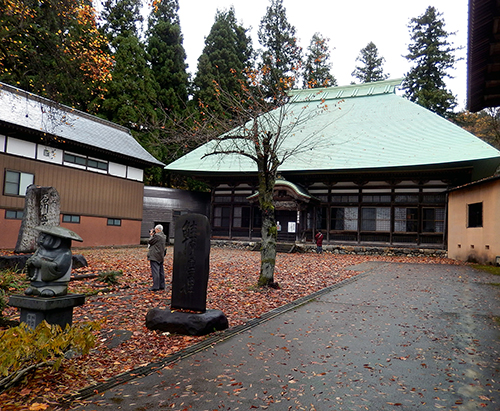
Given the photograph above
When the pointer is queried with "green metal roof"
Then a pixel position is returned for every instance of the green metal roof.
(299, 191)
(365, 127)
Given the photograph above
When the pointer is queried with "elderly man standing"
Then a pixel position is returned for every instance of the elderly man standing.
(156, 254)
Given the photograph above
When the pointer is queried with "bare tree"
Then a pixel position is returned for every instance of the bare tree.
(267, 132)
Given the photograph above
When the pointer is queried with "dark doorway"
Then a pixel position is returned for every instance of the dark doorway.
(287, 228)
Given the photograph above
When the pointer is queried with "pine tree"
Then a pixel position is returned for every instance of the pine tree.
(371, 69)
(130, 98)
(282, 56)
(432, 55)
(317, 66)
(53, 48)
(227, 54)
(167, 56)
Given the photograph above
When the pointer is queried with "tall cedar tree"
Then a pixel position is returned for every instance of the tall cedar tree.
(130, 99)
(53, 48)
(432, 55)
(317, 66)
(281, 56)
(227, 54)
(371, 68)
(167, 56)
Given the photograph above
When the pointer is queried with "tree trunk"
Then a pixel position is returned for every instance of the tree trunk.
(269, 231)
(268, 249)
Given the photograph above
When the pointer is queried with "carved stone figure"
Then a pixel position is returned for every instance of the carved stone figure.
(49, 269)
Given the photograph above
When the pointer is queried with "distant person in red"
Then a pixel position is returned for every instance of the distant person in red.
(319, 242)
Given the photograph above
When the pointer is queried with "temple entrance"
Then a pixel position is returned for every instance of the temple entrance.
(287, 228)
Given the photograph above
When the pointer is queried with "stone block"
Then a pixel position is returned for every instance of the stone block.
(54, 310)
(184, 323)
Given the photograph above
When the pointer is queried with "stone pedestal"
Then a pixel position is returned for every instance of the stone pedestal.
(184, 323)
(54, 310)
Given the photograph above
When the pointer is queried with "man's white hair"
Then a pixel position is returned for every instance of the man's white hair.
(159, 227)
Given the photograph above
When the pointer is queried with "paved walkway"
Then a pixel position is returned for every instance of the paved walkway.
(400, 337)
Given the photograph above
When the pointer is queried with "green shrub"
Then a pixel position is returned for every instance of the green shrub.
(3, 301)
(110, 277)
(23, 350)
(12, 280)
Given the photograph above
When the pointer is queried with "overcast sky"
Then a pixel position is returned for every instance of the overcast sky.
(350, 26)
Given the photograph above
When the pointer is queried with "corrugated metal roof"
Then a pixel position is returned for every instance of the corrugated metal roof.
(365, 126)
(39, 114)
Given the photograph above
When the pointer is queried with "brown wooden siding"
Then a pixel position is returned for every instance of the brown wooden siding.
(82, 192)
(93, 230)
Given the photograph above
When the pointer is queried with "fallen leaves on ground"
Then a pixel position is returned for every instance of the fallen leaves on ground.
(231, 289)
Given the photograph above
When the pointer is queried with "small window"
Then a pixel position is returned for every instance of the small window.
(68, 218)
(14, 214)
(72, 158)
(101, 165)
(475, 215)
(114, 221)
(16, 182)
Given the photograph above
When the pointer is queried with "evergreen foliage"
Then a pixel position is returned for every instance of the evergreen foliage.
(227, 54)
(282, 56)
(167, 56)
(130, 97)
(432, 55)
(371, 68)
(53, 48)
(317, 66)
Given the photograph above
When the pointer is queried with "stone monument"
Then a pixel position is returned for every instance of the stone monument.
(41, 208)
(49, 271)
(188, 314)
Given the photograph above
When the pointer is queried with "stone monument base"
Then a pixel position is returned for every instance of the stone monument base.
(54, 310)
(184, 323)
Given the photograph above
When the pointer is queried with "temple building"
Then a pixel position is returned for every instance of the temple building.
(376, 171)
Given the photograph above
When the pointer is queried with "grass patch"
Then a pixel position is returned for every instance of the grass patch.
(488, 268)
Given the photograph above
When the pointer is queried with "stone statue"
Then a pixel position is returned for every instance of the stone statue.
(49, 269)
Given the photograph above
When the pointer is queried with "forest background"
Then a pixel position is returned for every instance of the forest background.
(126, 62)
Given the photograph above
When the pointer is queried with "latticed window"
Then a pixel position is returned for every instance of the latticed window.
(375, 219)
(433, 220)
(344, 218)
(241, 217)
(406, 219)
(222, 216)
(321, 218)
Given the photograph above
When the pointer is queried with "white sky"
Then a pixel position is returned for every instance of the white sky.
(349, 24)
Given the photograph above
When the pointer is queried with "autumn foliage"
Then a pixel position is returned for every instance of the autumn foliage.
(54, 48)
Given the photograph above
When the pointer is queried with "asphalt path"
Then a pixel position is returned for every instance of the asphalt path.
(399, 337)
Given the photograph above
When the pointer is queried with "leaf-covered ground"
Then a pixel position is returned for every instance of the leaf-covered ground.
(124, 342)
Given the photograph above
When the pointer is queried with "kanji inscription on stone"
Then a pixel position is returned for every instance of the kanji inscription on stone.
(191, 263)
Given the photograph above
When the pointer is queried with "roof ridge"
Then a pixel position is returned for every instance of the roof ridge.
(347, 91)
